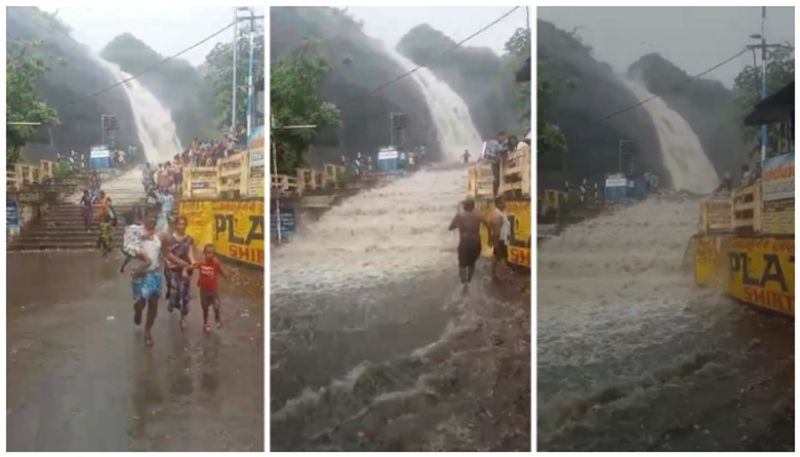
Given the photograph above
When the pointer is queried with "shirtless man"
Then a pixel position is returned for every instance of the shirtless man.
(468, 223)
(146, 279)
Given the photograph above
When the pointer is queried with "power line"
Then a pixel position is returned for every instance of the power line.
(148, 69)
(642, 102)
(451, 48)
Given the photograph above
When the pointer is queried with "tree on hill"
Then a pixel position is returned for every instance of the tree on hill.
(780, 72)
(24, 68)
(219, 73)
(295, 85)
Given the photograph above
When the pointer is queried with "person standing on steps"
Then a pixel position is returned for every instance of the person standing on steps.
(146, 279)
(86, 210)
(468, 223)
(466, 155)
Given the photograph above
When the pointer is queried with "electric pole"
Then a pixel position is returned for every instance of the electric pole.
(763, 77)
(250, 104)
(235, 43)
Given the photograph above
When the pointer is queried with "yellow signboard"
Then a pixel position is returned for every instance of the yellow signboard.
(706, 259)
(235, 227)
(777, 216)
(519, 215)
(761, 272)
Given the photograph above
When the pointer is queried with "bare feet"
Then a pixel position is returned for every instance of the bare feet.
(183, 322)
(206, 327)
(219, 323)
(148, 339)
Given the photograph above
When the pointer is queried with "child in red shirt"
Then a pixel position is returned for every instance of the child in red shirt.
(208, 282)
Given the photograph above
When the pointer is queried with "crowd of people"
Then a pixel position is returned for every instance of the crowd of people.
(497, 149)
(746, 178)
(152, 246)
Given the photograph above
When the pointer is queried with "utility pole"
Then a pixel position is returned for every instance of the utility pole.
(235, 39)
(391, 129)
(274, 128)
(762, 89)
(250, 91)
(619, 152)
(763, 77)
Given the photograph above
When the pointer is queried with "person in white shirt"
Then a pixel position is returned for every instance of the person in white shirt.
(500, 234)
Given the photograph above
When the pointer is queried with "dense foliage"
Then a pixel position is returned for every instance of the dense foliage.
(295, 100)
(219, 74)
(780, 72)
(24, 68)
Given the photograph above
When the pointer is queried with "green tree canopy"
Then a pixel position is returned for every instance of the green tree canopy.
(780, 72)
(24, 68)
(551, 143)
(295, 84)
(519, 51)
(219, 73)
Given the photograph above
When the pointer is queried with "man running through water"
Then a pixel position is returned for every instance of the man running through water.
(468, 223)
(146, 279)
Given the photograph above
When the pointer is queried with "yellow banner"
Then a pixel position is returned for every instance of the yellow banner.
(235, 227)
(778, 216)
(519, 215)
(761, 272)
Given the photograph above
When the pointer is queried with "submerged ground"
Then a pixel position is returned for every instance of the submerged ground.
(79, 377)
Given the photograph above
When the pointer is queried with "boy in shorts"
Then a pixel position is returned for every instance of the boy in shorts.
(208, 283)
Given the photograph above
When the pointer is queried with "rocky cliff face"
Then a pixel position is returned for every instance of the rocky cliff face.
(707, 105)
(594, 91)
(176, 84)
(478, 75)
(74, 73)
(359, 65)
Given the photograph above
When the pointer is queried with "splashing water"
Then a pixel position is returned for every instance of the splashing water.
(684, 157)
(154, 125)
(454, 127)
(396, 229)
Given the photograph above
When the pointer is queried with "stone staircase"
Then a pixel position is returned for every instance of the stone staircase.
(60, 225)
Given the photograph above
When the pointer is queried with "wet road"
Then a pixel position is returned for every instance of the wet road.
(373, 346)
(80, 378)
(632, 356)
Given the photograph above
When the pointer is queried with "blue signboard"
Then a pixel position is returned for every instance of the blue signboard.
(287, 222)
(12, 214)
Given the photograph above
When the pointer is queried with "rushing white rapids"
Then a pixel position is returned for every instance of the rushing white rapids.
(154, 125)
(683, 155)
(454, 127)
(395, 230)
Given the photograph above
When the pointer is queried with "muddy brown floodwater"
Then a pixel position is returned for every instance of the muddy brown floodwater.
(79, 377)
(633, 357)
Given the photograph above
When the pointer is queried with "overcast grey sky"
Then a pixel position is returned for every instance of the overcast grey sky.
(694, 38)
(166, 29)
(390, 24)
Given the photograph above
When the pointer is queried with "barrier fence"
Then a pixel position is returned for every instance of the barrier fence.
(309, 180)
(24, 174)
(238, 176)
(515, 176)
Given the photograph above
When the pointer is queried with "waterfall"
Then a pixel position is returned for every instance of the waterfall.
(454, 127)
(154, 125)
(684, 157)
(395, 231)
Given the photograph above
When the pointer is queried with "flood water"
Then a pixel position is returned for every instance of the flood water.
(633, 356)
(81, 379)
(373, 344)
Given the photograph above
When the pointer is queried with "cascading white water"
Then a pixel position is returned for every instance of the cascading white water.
(154, 125)
(394, 230)
(454, 127)
(684, 157)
